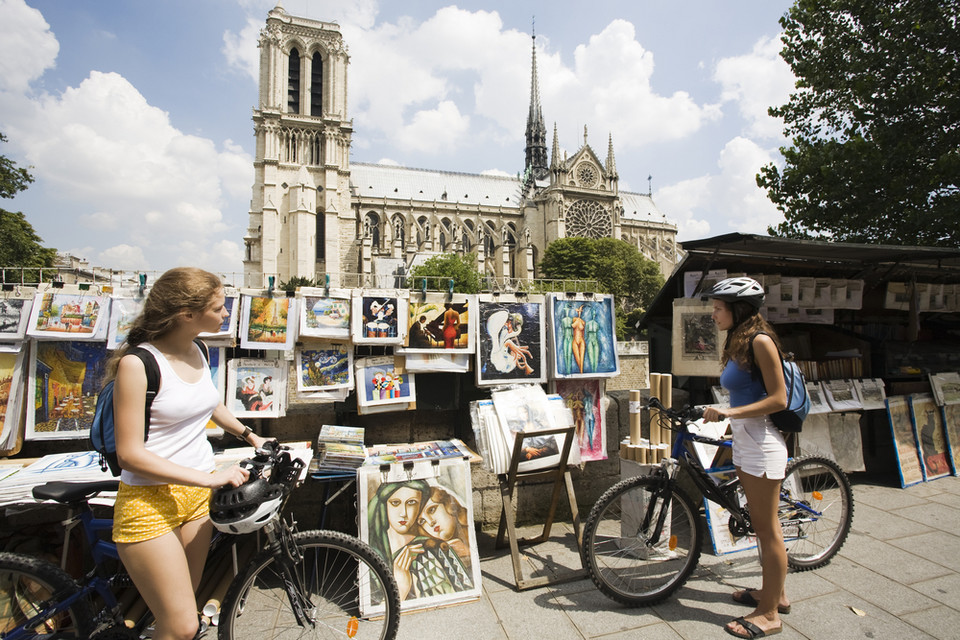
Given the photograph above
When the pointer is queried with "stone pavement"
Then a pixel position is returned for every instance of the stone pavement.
(899, 568)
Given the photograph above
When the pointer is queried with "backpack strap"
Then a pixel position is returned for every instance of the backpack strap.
(152, 369)
(203, 349)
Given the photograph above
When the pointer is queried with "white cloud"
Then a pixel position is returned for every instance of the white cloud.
(123, 256)
(240, 49)
(756, 81)
(421, 133)
(27, 47)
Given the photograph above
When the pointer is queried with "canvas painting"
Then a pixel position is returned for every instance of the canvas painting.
(420, 521)
(14, 317)
(583, 336)
(228, 328)
(697, 343)
(56, 315)
(256, 388)
(123, 311)
(930, 433)
(585, 399)
(904, 441)
(322, 366)
(511, 341)
(951, 421)
(11, 392)
(325, 313)
(65, 379)
(527, 409)
(439, 323)
(379, 316)
(268, 323)
(718, 519)
(381, 381)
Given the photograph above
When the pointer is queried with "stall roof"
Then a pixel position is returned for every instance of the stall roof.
(748, 253)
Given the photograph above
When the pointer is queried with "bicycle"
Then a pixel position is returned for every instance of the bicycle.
(643, 537)
(301, 584)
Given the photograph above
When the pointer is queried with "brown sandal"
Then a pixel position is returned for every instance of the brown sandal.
(747, 598)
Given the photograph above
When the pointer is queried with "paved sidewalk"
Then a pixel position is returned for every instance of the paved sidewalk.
(899, 568)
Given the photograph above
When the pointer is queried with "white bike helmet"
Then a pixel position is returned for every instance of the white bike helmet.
(738, 290)
(246, 508)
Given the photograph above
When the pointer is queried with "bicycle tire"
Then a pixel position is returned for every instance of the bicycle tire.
(617, 555)
(819, 483)
(26, 582)
(340, 573)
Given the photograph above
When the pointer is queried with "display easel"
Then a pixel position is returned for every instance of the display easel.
(560, 475)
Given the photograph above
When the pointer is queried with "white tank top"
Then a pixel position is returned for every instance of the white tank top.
(178, 420)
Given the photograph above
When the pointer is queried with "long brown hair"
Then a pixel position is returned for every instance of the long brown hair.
(177, 290)
(747, 322)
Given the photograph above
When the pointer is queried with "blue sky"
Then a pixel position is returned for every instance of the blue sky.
(135, 115)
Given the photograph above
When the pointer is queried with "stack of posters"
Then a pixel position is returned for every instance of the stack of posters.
(339, 450)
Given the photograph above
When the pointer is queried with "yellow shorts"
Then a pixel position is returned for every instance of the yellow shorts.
(146, 512)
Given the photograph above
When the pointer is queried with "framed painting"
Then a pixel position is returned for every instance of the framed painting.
(697, 343)
(381, 380)
(65, 377)
(583, 336)
(586, 401)
(256, 388)
(14, 317)
(324, 313)
(510, 342)
(123, 311)
(228, 328)
(951, 423)
(441, 323)
(268, 322)
(904, 441)
(379, 316)
(420, 518)
(12, 358)
(324, 365)
(56, 315)
(931, 436)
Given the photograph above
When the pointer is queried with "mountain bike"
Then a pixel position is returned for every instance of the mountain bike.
(301, 584)
(642, 539)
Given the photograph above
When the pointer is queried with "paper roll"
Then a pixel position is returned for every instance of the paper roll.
(654, 414)
(655, 385)
(635, 409)
(666, 390)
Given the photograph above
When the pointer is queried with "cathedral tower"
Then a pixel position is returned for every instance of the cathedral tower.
(535, 166)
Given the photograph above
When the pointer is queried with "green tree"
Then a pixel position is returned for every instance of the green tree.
(21, 245)
(439, 270)
(296, 282)
(618, 267)
(874, 122)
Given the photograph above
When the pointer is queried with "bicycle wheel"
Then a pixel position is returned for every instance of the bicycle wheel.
(816, 509)
(623, 561)
(27, 585)
(351, 592)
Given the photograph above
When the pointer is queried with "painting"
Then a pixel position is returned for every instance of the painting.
(818, 402)
(951, 422)
(324, 365)
(11, 393)
(583, 336)
(123, 311)
(379, 316)
(586, 401)
(511, 340)
(871, 392)
(228, 328)
(904, 441)
(381, 381)
(842, 395)
(256, 388)
(697, 343)
(65, 377)
(945, 387)
(14, 316)
(718, 518)
(527, 409)
(268, 323)
(420, 520)
(324, 313)
(441, 323)
(930, 434)
(56, 315)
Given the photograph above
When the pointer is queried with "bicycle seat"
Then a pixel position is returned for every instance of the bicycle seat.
(68, 492)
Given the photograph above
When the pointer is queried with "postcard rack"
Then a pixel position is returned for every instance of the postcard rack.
(510, 482)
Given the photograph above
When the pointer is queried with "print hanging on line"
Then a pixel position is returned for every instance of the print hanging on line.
(697, 342)
(14, 317)
(124, 309)
(256, 388)
(324, 366)
(228, 328)
(268, 322)
(440, 323)
(65, 379)
(511, 340)
(587, 403)
(583, 336)
(68, 316)
(324, 313)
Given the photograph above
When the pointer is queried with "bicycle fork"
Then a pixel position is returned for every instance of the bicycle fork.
(285, 549)
(659, 504)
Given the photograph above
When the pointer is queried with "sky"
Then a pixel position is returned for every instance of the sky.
(134, 116)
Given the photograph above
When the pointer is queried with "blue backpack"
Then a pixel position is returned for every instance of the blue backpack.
(103, 438)
(791, 419)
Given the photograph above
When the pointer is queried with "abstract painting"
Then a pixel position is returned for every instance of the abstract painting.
(65, 378)
(511, 339)
(381, 381)
(325, 313)
(441, 323)
(583, 336)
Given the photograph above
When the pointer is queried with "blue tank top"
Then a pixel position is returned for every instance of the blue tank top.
(743, 387)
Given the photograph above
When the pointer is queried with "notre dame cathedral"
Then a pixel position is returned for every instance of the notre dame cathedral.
(314, 213)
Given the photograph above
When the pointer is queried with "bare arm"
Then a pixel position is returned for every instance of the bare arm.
(768, 361)
(229, 423)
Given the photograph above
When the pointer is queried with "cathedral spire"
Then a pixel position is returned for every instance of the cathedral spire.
(536, 134)
(555, 161)
(611, 163)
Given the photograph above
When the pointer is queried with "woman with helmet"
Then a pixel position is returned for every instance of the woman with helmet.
(161, 525)
(753, 375)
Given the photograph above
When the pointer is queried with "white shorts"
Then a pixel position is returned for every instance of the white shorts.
(758, 447)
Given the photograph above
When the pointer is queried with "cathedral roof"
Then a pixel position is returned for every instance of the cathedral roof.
(427, 185)
(640, 206)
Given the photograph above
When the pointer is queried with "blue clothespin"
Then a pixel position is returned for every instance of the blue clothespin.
(450, 288)
(423, 287)
(270, 281)
(326, 288)
(143, 284)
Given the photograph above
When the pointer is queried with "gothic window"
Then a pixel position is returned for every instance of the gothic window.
(510, 236)
(293, 82)
(321, 235)
(586, 174)
(488, 243)
(588, 219)
(399, 232)
(316, 86)
(372, 226)
(423, 230)
(467, 233)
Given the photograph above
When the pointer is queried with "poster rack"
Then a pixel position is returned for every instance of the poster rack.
(510, 482)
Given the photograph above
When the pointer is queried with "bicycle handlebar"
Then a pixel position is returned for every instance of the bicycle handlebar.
(274, 463)
(687, 414)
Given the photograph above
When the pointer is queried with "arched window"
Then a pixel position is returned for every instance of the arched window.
(423, 230)
(399, 229)
(467, 233)
(444, 233)
(316, 86)
(489, 245)
(321, 235)
(293, 82)
(372, 226)
(510, 237)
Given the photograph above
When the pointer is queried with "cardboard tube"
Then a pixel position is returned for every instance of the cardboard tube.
(666, 390)
(636, 407)
(625, 450)
(655, 414)
(134, 613)
(211, 607)
(216, 587)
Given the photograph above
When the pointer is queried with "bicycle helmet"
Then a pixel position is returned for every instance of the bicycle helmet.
(246, 508)
(738, 290)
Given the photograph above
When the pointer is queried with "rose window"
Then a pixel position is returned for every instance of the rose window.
(588, 219)
(586, 175)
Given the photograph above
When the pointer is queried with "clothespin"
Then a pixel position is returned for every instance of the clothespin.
(588, 294)
(570, 294)
(450, 288)
(326, 287)
(270, 281)
(423, 287)
(8, 286)
(84, 286)
(143, 284)
(408, 469)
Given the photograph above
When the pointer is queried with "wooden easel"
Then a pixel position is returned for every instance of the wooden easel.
(560, 475)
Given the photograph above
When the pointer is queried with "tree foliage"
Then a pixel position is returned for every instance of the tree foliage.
(20, 246)
(439, 270)
(618, 267)
(874, 122)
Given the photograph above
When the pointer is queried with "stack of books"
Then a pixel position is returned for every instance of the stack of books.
(339, 450)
